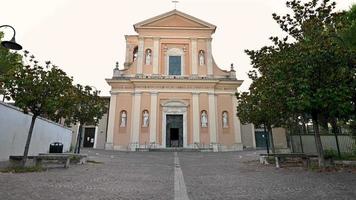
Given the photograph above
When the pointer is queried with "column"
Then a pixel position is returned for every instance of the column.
(140, 55)
(196, 118)
(111, 122)
(155, 55)
(212, 118)
(236, 121)
(194, 57)
(153, 117)
(135, 117)
(209, 57)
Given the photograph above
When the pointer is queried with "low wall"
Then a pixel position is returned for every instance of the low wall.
(14, 126)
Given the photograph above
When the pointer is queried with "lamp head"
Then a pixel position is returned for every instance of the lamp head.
(11, 44)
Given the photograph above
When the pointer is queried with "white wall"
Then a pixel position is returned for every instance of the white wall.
(14, 126)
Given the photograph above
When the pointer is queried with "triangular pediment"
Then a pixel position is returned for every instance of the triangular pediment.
(174, 19)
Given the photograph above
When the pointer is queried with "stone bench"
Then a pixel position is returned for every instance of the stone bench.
(64, 158)
(278, 156)
(61, 158)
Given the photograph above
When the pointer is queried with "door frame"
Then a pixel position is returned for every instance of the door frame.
(95, 135)
(174, 107)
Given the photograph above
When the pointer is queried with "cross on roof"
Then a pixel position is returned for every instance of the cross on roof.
(175, 3)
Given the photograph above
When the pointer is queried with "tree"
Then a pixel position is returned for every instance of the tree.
(349, 40)
(308, 70)
(37, 90)
(258, 105)
(8, 61)
(87, 108)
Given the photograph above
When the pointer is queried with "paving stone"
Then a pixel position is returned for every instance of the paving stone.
(150, 175)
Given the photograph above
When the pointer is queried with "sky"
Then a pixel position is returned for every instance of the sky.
(86, 37)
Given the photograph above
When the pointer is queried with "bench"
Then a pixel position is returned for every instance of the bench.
(278, 156)
(64, 158)
(61, 158)
(74, 158)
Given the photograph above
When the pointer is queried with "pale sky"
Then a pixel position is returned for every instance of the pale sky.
(86, 37)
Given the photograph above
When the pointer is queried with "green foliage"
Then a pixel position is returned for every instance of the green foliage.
(349, 33)
(307, 75)
(330, 154)
(354, 148)
(36, 89)
(8, 61)
(86, 106)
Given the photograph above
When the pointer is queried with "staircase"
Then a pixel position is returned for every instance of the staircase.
(175, 149)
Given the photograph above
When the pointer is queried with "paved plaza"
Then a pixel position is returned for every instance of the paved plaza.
(182, 175)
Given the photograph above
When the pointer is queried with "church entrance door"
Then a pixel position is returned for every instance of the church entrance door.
(174, 131)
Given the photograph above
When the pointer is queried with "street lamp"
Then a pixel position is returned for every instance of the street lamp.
(12, 43)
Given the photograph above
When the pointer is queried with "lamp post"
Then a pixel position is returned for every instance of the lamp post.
(12, 43)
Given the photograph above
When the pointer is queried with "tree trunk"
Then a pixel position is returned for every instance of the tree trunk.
(318, 144)
(28, 141)
(79, 138)
(267, 140)
(335, 130)
(270, 133)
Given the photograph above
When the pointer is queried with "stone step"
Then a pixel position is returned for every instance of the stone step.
(172, 149)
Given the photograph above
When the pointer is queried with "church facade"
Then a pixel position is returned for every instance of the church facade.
(170, 92)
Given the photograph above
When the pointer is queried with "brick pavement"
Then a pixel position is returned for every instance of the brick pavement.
(150, 175)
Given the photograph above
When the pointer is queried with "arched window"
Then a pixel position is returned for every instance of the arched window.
(225, 120)
(201, 57)
(123, 118)
(148, 54)
(134, 54)
(204, 119)
(145, 118)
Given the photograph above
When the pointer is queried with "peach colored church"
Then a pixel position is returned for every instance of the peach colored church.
(171, 93)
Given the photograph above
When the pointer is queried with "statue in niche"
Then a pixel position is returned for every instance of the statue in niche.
(204, 119)
(201, 57)
(123, 119)
(148, 56)
(145, 119)
(225, 125)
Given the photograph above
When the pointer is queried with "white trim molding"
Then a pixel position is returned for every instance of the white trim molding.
(175, 52)
(174, 107)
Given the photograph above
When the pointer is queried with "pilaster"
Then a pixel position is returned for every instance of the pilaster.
(155, 55)
(212, 118)
(140, 55)
(209, 57)
(194, 60)
(111, 122)
(196, 118)
(153, 117)
(135, 117)
(237, 123)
